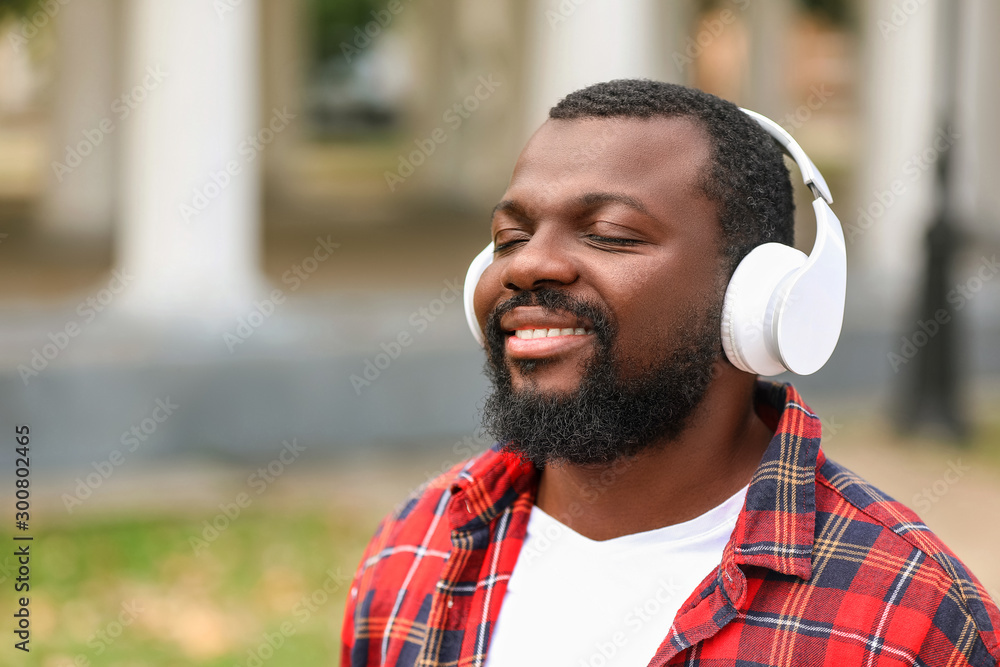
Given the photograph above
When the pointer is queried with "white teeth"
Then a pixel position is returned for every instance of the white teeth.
(546, 333)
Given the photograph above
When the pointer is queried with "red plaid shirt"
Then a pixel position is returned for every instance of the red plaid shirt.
(821, 569)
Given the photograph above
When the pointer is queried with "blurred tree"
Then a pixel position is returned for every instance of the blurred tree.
(837, 12)
(343, 97)
(15, 7)
(331, 22)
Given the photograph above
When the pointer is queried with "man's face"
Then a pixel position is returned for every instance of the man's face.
(605, 240)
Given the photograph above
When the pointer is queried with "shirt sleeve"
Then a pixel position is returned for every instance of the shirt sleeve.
(348, 633)
(958, 635)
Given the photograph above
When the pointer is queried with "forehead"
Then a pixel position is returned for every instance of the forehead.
(648, 157)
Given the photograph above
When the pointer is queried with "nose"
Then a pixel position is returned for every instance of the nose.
(545, 260)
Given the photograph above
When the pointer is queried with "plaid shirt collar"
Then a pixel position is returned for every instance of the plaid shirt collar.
(775, 530)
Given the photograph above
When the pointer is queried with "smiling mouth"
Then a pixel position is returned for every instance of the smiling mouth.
(524, 344)
(530, 334)
(536, 332)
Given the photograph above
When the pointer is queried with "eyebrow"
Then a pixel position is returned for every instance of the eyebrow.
(508, 206)
(588, 200)
(594, 198)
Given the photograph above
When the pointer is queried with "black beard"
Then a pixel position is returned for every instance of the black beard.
(610, 416)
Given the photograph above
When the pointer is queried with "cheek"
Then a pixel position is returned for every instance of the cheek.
(657, 301)
(640, 296)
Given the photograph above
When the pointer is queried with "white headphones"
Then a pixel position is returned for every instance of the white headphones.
(783, 310)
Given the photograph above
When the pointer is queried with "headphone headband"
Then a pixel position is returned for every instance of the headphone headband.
(810, 174)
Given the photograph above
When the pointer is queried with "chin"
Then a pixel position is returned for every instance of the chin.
(543, 378)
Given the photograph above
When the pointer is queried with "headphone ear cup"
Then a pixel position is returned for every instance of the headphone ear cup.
(472, 276)
(810, 311)
(748, 312)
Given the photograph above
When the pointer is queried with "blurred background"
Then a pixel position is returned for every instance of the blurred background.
(233, 235)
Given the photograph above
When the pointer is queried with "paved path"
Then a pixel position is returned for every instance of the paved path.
(956, 492)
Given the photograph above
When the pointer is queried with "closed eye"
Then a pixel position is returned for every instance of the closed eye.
(506, 246)
(613, 241)
(595, 239)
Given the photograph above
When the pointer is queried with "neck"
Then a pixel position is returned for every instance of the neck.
(669, 482)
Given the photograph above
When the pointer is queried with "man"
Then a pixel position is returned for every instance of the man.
(650, 503)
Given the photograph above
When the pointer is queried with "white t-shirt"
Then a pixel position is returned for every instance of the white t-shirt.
(575, 602)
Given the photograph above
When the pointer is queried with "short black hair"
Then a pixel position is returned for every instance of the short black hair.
(748, 179)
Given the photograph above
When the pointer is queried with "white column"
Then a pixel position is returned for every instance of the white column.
(577, 43)
(78, 202)
(284, 64)
(977, 163)
(190, 178)
(487, 145)
(770, 33)
(896, 188)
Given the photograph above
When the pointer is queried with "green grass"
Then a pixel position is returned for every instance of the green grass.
(282, 575)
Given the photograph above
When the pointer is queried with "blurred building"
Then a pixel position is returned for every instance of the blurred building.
(248, 205)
